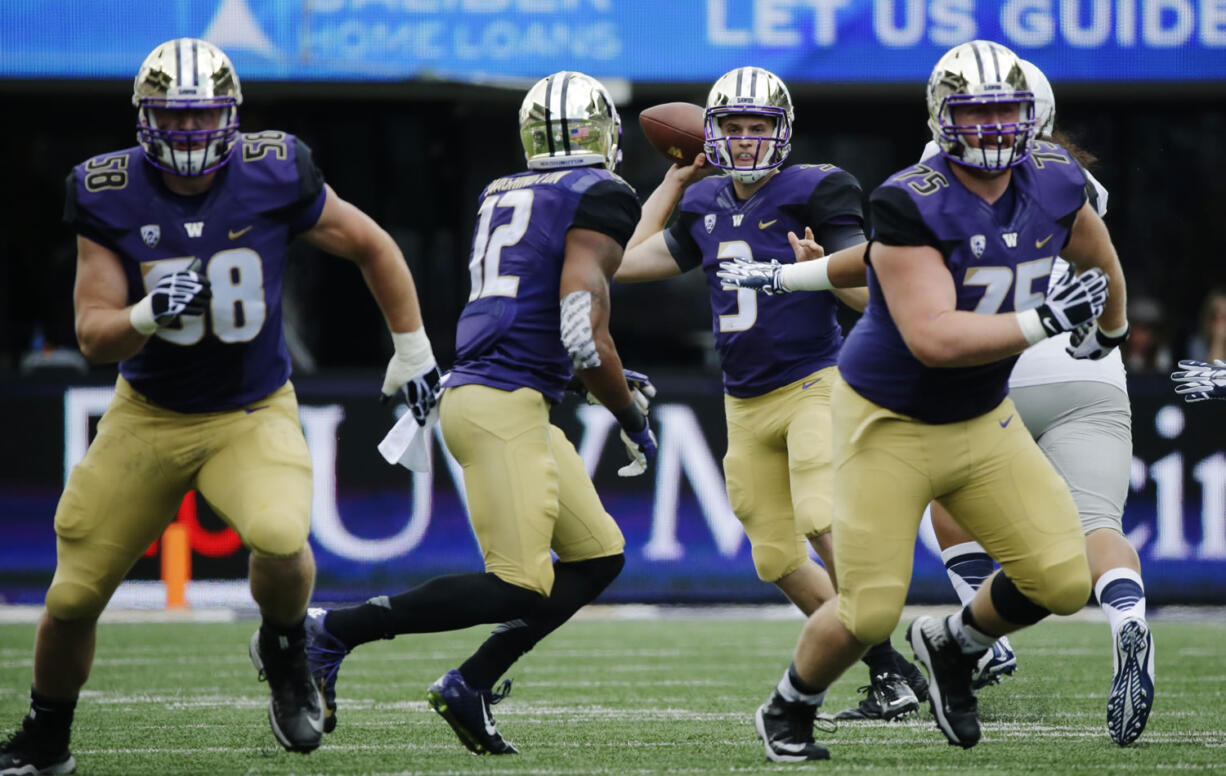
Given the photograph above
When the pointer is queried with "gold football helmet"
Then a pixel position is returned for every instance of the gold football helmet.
(186, 74)
(749, 91)
(568, 120)
(981, 72)
(1044, 99)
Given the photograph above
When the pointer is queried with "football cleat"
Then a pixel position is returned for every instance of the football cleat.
(887, 696)
(1132, 688)
(23, 754)
(324, 654)
(468, 712)
(295, 708)
(997, 663)
(950, 693)
(786, 730)
(914, 677)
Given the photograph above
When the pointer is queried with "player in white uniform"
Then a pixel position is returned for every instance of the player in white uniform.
(1078, 412)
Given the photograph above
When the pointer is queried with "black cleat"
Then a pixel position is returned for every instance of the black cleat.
(468, 712)
(786, 730)
(914, 678)
(887, 696)
(324, 654)
(1132, 688)
(23, 754)
(949, 675)
(295, 709)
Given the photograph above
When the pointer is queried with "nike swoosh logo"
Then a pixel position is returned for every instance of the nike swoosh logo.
(237, 233)
(250, 410)
(764, 224)
(316, 724)
(490, 729)
(1006, 421)
(810, 383)
(1040, 243)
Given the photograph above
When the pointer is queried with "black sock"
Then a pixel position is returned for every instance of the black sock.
(801, 685)
(880, 658)
(49, 720)
(441, 604)
(574, 586)
(278, 638)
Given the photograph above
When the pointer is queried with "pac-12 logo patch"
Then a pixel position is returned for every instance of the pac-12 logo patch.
(151, 233)
(709, 222)
(978, 243)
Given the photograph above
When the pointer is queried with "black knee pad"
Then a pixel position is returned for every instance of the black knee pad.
(1012, 604)
(593, 575)
(505, 595)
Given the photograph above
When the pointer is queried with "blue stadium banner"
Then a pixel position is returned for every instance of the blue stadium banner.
(638, 40)
(377, 527)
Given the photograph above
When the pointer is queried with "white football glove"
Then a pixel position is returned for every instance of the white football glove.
(1075, 300)
(641, 447)
(413, 372)
(641, 390)
(763, 276)
(1198, 381)
(186, 292)
(1089, 341)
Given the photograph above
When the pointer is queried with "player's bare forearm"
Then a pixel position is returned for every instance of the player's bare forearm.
(846, 268)
(656, 211)
(391, 284)
(920, 293)
(607, 382)
(953, 338)
(344, 230)
(103, 317)
(1090, 246)
(855, 298)
(106, 336)
(591, 259)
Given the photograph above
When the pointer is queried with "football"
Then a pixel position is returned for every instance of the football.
(675, 129)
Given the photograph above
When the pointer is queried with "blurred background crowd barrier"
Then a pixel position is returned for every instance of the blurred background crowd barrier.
(410, 108)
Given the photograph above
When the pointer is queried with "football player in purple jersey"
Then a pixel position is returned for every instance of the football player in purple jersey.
(181, 250)
(777, 352)
(545, 245)
(1078, 412)
(959, 260)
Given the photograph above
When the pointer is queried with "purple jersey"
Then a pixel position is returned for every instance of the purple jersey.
(239, 229)
(509, 334)
(766, 342)
(1000, 263)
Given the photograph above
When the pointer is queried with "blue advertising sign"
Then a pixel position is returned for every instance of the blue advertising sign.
(639, 40)
(377, 527)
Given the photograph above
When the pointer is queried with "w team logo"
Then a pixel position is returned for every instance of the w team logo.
(709, 222)
(978, 243)
(151, 233)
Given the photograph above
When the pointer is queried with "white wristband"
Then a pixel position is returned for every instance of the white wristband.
(1112, 333)
(413, 349)
(806, 275)
(140, 315)
(1031, 326)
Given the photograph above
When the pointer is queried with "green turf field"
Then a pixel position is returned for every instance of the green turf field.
(669, 696)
